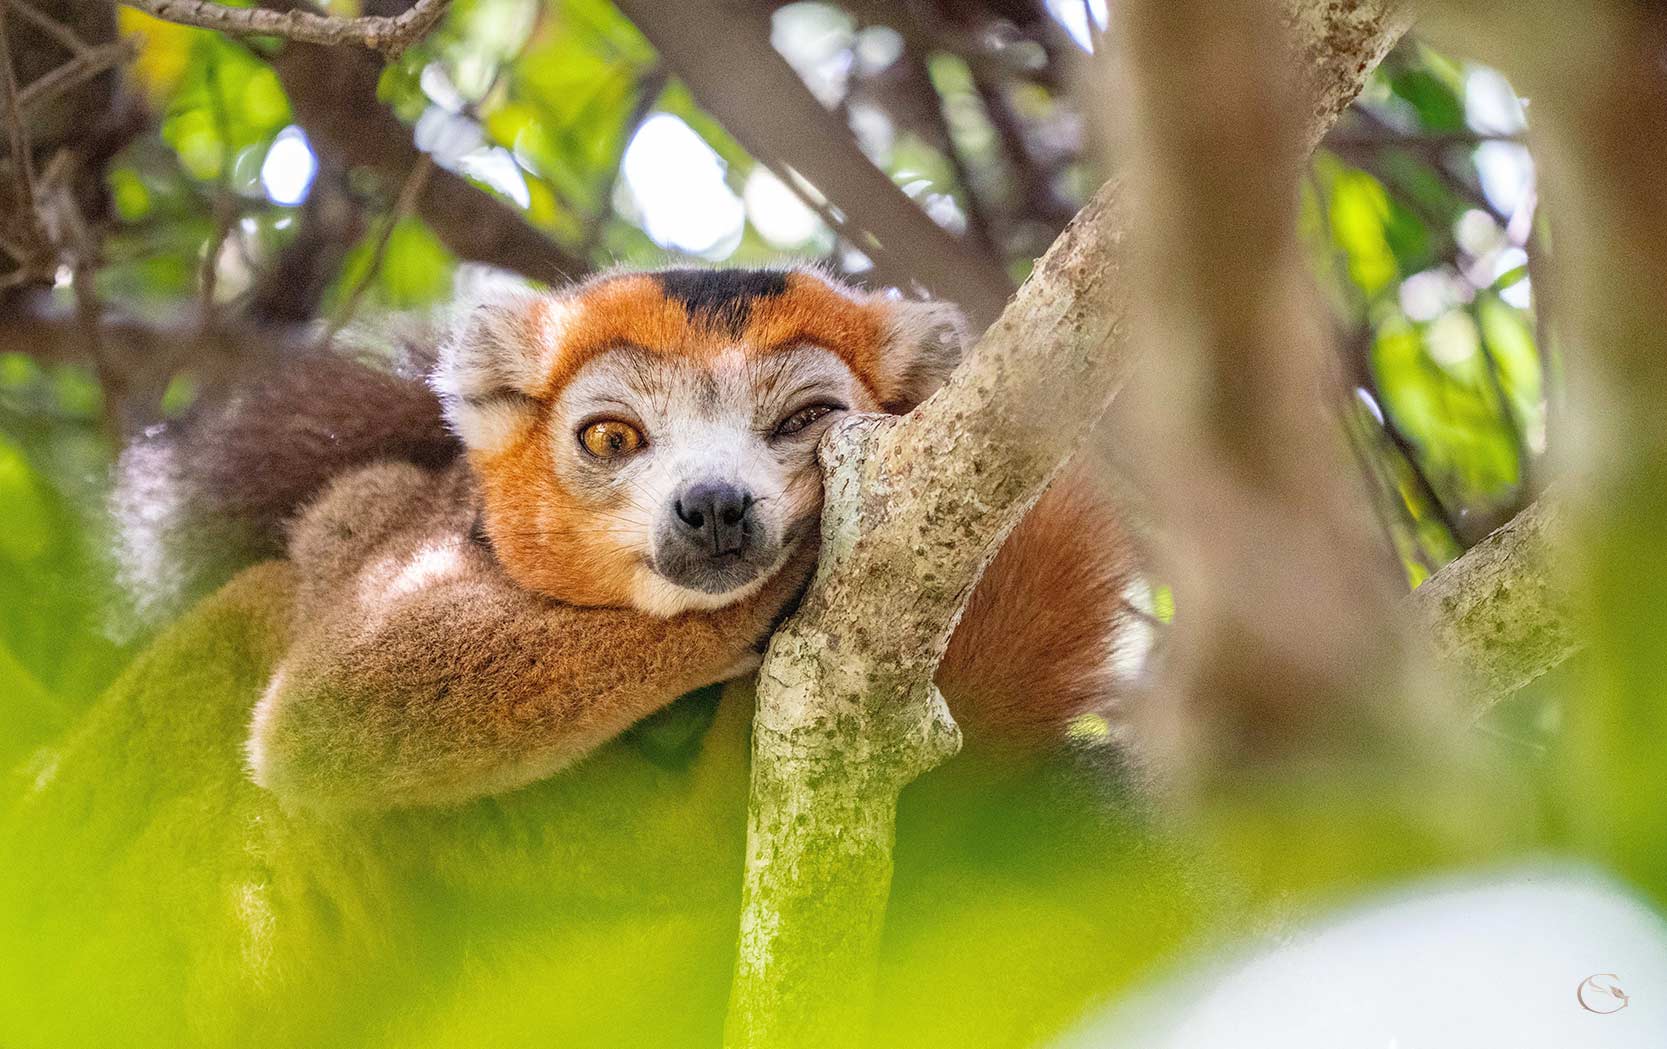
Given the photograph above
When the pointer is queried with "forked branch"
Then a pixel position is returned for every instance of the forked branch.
(389, 36)
(847, 710)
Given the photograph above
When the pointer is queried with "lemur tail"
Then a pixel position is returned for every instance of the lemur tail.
(197, 499)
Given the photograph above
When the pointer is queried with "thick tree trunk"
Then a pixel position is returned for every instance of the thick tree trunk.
(847, 710)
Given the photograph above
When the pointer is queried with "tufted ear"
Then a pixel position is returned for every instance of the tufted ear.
(924, 343)
(492, 366)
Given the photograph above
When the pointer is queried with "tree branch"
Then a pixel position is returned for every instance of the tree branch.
(386, 36)
(723, 53)
(64, 35)
(1499, 616)
(847, 712)
(18, 149)
(1287, 654)
(78, 70)
(333, 94)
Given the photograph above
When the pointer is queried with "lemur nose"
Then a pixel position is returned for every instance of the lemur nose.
(715, 516)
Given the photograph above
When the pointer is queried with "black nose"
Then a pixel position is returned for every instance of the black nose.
(714, 516)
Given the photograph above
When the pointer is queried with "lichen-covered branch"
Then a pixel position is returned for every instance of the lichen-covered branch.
(1501, 615)
(847, 711)
(389, 36)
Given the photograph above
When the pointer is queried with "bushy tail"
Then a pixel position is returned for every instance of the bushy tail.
(197, 499)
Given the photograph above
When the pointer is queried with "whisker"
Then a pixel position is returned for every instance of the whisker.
(550, 532)
(637, 487)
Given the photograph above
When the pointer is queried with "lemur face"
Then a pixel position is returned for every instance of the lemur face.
(649, 440)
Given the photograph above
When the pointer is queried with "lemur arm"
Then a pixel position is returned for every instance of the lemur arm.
(420, 674)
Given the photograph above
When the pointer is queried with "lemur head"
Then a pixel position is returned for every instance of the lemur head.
(648, 440)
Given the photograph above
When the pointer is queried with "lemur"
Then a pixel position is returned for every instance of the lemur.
(602, 498)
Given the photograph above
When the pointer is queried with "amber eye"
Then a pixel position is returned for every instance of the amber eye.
(803, 418)
(610, 439)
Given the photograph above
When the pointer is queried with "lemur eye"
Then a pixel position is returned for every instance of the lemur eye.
(610, 439)
(804, 417)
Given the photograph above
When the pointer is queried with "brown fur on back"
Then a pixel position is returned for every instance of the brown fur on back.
(419, 673)
(201, 497)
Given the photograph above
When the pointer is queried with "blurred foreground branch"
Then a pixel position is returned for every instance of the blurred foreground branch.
(1288, 645)
(848, 713)
(388, 36)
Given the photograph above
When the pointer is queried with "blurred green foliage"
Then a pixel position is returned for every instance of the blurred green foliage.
(56, 652)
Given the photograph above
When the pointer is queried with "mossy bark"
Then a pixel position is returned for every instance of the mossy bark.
(1501, 615)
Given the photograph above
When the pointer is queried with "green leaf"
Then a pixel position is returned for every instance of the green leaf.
(32, 526)
(1436, 101)
(1360, 211)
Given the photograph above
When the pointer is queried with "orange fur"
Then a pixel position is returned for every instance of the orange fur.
(530, 514)
(1036, 646)
(531, 517)
(428, 668)
(632, 310)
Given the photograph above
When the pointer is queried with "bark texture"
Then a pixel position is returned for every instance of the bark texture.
(387, 35)
(1500, 616)
(847, 711)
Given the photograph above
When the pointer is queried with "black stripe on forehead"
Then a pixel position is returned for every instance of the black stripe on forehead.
(722, 297)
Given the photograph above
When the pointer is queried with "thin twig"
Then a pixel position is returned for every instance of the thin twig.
(17, 139)
(1033, 195)
(77, 71)
(1382, 135)
(1357, 356)
(387, 36)
(224, 208)
(1431, 148)
(403, 204)
(1355, 350)
(50, 26)
(981, 228)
